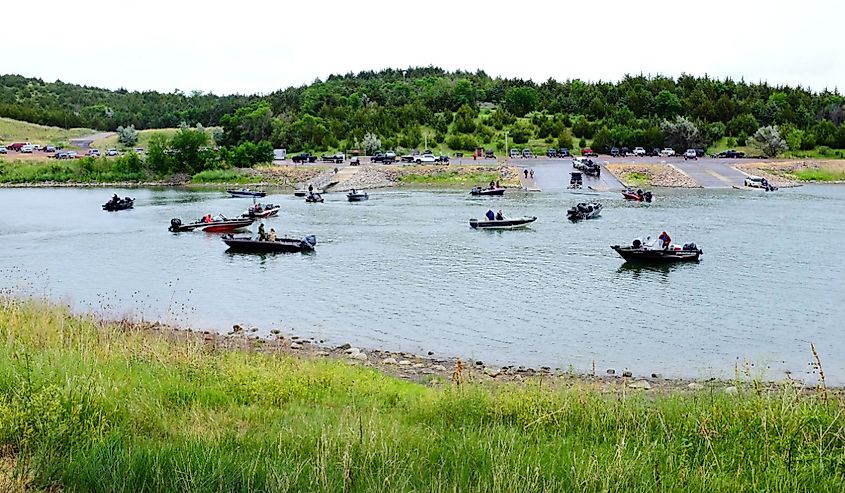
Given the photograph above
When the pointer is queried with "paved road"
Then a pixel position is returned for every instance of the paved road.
(553, 174)
(707, 172)
(85, 142)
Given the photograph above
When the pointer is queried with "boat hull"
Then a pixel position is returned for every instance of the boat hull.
(120, 206)
(487, 192)
(357, 197)
(280, 245)
(246, 193)
(577, 214)
(632, 254)
(226, 226)
(511, 223)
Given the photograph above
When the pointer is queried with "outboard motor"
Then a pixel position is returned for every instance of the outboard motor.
(690, 247)
(309, 242)
(637, 243)
(175, 223)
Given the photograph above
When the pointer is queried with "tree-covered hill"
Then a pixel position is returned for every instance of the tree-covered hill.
(459, 110)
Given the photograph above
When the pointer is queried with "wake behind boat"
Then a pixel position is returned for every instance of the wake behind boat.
(245, 192)
(278, 245)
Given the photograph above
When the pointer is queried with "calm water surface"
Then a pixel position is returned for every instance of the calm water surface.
(404, 271)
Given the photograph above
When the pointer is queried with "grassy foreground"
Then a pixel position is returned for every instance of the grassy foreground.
(88, 406)
(19, 131)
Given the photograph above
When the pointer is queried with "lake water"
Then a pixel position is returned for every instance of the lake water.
(404, 271)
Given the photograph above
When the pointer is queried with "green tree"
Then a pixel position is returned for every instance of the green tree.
(745, 123)
(564, 140)
(602, 141)
(681, 133)
(127, 136)
(667, 104)
(188, 149)
(768, 141)
(465, 119)
(521, 100)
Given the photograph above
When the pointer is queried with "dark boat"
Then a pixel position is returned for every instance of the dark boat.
(262, 211)
(245, 192)
(640, 253)
(487, 191)
(507, 223)
(285, 245)
(119, 204)
(584, 211)
(217, 225)
(638, 196)
(575, 180)
(354, 196)
(314, 197)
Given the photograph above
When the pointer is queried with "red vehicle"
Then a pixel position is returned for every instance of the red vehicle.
(16, 146)
(588, 152)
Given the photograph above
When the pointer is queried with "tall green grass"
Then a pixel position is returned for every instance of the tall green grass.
(820, 174)
(222, 176)
(93, 407)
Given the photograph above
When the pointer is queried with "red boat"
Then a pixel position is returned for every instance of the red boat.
(638, 196)
(218, 224)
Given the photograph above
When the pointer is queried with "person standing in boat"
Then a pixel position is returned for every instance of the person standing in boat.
(310, 188)
(665, 240)
(261, 234)
(490, 215)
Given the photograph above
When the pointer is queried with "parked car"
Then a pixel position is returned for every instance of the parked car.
(514, 153)
(551, 153)
(139, 150)
(49, 148)
(27, 149)
(730, 153)
(425, 159)
(16, 146)
(72, 154)
(335, 158)
(382, 157)
(442, 159)
(111, 152)
(690, 154)
(667, 151)
(614, 151)
(36, 147)
(94, 152)
(488, 154)
(624, 152)
(654, 152)
(699, 152)
(563, 152)
(755, 181)
(61, 155)
(3, 150)
(587, 152)
(639, 151)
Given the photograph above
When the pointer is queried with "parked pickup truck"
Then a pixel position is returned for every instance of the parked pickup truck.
(730, 153)
(336, 158)
(304, 158)
(388, 157)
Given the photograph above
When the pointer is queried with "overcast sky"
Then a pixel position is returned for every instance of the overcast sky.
(247, 46)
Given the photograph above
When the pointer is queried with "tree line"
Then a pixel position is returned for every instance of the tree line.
(405, 108)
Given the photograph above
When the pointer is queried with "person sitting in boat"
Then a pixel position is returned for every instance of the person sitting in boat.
(261, 234)
(500, 216)
(272, 235)
(665, 240)
(490, 214)
(492, 184)
(640, 193)
(115, 199)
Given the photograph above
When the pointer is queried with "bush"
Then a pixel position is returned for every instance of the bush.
(461, 142)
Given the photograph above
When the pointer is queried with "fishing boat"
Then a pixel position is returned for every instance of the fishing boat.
(478, 191)
(313, 197)
(262, 211)
(505, 223)
(638, 252)
(119, 204)
(354, 196)
(576, 180)
(302, 192)
(638, 196)
(245, 192)
(279, 245)
(217, 224)
(584, 211)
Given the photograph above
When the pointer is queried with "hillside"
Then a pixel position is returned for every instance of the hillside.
(455, 110)
(19, 131)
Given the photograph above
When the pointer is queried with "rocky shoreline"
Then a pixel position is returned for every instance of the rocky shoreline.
(434, 370)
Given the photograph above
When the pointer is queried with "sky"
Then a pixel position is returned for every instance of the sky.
(249, 46)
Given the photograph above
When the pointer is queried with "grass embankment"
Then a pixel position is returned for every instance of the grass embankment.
(87, 406)
(84, 170)
(144, 137)
(819, 174)
(19, 131)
